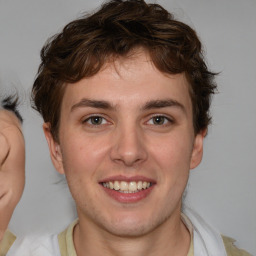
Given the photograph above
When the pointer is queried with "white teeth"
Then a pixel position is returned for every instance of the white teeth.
(116, 185)
(132, 186)
(144, 185)
(127, 187)
(139, 185)
(124, 185)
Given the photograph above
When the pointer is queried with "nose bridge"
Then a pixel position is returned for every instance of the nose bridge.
(128, 146)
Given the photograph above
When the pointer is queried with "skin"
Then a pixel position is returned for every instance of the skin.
(128, 142)
(12, 166)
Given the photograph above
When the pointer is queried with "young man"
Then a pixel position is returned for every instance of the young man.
(125, 96)
(12, 169)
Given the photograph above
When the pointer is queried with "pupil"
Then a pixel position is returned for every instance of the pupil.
(158, 120)
(96, 120)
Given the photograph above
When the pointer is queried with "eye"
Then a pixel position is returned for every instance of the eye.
(95, 120)
(159, 120)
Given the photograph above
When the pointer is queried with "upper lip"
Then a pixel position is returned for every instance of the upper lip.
(127, 179)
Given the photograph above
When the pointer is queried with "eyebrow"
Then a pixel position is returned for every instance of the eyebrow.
(154, 104)
(93, 104)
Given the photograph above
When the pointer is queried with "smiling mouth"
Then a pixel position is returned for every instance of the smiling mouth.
(127, 187)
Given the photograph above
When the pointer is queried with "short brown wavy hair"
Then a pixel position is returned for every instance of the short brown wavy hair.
(117, 28)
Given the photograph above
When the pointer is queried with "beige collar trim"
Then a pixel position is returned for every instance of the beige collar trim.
(7, 242)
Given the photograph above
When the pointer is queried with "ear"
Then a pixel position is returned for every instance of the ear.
(54, 148)
(197, 153)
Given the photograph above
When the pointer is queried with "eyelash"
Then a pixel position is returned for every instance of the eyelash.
(90, 118)
(103, 121)
(167, 120)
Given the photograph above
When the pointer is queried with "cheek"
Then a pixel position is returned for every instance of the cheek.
(82, 155)
(175, 160)
(173, 153)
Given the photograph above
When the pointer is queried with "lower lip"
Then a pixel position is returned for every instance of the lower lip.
(128, 197)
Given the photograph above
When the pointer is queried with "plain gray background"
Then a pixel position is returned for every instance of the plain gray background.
(223, 188)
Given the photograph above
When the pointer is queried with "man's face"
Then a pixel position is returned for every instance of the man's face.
(12, 166)
(126, 145)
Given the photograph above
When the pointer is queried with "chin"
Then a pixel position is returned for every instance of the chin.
(131, 230)
(132, 226)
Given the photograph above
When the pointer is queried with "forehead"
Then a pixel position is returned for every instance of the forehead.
(131, 80)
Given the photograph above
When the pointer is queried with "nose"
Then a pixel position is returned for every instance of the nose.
(129, 147)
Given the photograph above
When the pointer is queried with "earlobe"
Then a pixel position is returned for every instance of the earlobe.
(54, 148)
(197, 153)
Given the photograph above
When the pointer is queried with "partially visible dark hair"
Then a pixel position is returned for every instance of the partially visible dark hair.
(11, 103)
(117, 28)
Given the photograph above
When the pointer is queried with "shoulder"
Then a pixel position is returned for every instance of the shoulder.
(46, 245)
(231, 249)
(20, 247)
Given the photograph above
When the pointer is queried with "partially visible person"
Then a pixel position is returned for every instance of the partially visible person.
(12, 168)
(125, 96)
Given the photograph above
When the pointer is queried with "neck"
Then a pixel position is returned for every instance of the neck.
(171, 238)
